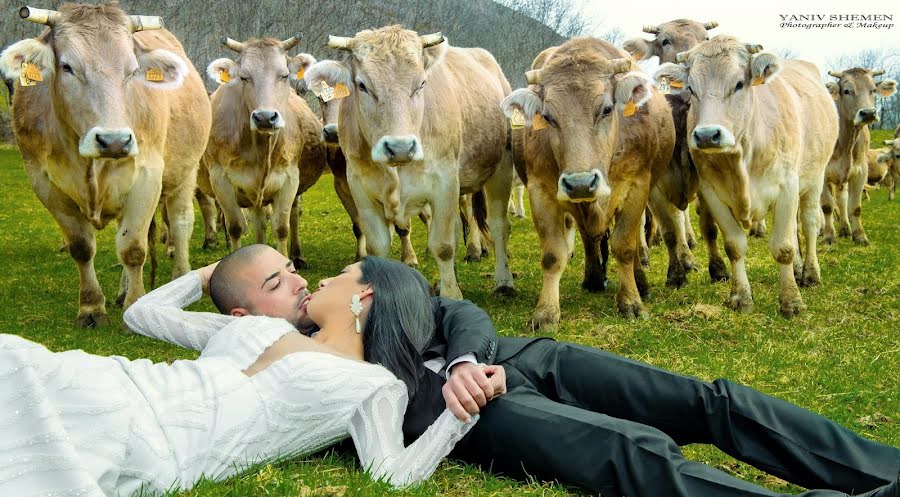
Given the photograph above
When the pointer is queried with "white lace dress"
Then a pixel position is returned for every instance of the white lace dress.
(76, 424)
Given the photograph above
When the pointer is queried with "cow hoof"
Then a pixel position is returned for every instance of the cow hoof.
(645, 261)
(170, 252)
(545, 320)
(675, 278)
(810, 279)
(505, 290)
(861, 239)
(793, 307)
(520, 215)
(92, 320)
(633, 311)
(472, 257)
(210, 243)
(300, 263)
(740, 303)
(692, 243)
(758, 233)
(828, 239)
(120, 300)
(412, 263)
(844, 231)
(688, 265)
(595, 284)
(718, 272)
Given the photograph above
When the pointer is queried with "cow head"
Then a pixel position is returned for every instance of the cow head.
(855, 92)
(892, 156)
(262, 71)
(92, 65)
(386, 74)
(670, 39)
(326, 70)
(580, 96)
(719, 75)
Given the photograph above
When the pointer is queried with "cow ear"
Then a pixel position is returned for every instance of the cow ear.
(161, 69)
(435, 55)
(670, 73)
(639, 48)
(887, 87)
(29, 50)
(525, 101)
(833, 89)
(764, 67)
(633, 89)
(329, 71)
(883, 157)
(222, 71)
(298, 65)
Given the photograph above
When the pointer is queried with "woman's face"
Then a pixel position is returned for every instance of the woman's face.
(332, 298)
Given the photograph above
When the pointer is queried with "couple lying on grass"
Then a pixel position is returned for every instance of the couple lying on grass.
(380, 360)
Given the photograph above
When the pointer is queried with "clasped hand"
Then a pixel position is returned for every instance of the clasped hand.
(471, 387)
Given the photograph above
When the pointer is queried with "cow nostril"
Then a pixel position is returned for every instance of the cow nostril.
(101, 141)
(387, 148)
(716, 136)
(566, 185)
(595, 182)
(273, 118)
(127, 140)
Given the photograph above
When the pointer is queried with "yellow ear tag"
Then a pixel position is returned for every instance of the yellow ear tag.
(517, 119)
(23, 76)
(664, 87)
(757, 81)
(224, 77)
(630, 109)
(326, 93)
(538, 122)
(341, 91)
(32, 72)
(154, 74)
(884, 93)
(301, 73)
(676, 84)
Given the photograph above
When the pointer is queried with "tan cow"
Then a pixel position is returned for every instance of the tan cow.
(680, 184)
(420, 127)
(761, 130)
(598, 134)
(854, 94)
(117, 120)
(892, 159)
(265, 145)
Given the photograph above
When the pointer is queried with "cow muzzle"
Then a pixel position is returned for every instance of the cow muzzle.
(582, 187)
(266, 121)
(398, 149)
(108, 143)
(330, 133)
(865, 116)
(712, 138)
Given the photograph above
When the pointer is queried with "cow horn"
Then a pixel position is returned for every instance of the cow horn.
(711, 25)
(292, 41)
(233, 44)
(620, 65)
(754, 48)
(651, 29)
(339, 42)
(533, 77)
(431, 40)
(681, 57)
(877, 72)
(39, 16)
(836, 74)
(145, 23)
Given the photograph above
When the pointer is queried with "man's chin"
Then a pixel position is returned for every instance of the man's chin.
(305, 325)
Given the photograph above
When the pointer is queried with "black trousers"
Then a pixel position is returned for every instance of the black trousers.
(613, 425)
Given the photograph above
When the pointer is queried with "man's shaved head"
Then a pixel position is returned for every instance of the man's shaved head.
(228, 283)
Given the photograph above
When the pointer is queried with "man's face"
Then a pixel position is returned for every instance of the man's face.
(273, 288)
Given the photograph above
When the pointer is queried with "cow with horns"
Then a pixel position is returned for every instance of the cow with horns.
(265, 147)
(110, 117)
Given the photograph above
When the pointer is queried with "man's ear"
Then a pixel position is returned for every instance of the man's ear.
(887, 87)
(28, 50)
(222, 71)
(239, 312)
(764, 67)
(634, 88)
(834, 90)
(639, 48)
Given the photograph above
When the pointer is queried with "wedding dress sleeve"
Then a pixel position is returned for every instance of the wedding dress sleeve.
(160, 314)
(376, 429)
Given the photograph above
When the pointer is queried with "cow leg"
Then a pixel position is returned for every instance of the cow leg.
(473, 243)
(164, 235)
(741, 299)
(549, 222)
(596, 251)
(180, 212)
(782, 245)
(893, 179)
(442, 237)
(407, 252)
(295, 249)
(673, 235)
(624, 246)
(342, 189)
(258, 223)
(855, 187)
(759, 229)
(570, 237)
(717, 269)
(689, 229)
(285, 214)
(209, 213)
(497, 190)
(234, 221)
(647, 221)
(843, 214)
(809, 220)
(828, 206)
(517, 201)
(134, 224)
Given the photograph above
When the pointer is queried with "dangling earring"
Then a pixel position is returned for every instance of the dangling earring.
(356, 308)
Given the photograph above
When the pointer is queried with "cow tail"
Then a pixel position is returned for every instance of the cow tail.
(479, 210)
(517, 143)
(464, 223)
(151, 247)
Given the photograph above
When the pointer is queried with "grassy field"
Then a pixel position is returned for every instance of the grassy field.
(841, 358)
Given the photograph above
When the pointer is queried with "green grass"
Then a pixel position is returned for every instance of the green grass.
(841, 358)
(878, 136)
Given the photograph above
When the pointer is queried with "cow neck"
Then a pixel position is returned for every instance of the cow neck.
(271, 143)
(847, 136)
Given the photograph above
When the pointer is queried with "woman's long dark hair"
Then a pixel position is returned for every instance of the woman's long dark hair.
(400, 322)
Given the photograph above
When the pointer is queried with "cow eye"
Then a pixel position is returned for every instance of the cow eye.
(549, 120)
(846, 92)
(419, 88)
(245, 80)
(739, 86)
(607, 110)
(285, 76)
(362, 87)
(666, 43)
(66, 68)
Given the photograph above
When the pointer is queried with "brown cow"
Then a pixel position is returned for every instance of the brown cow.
(265, 145)
(680, 183)
(760, 133)
(854, 94)
(417, 130)
(119, 120)
(605, 135)
(892, 159)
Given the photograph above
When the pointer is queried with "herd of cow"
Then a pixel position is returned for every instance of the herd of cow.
(113, 122)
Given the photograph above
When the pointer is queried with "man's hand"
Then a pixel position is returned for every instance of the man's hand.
(205, 273)
(471, 386)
